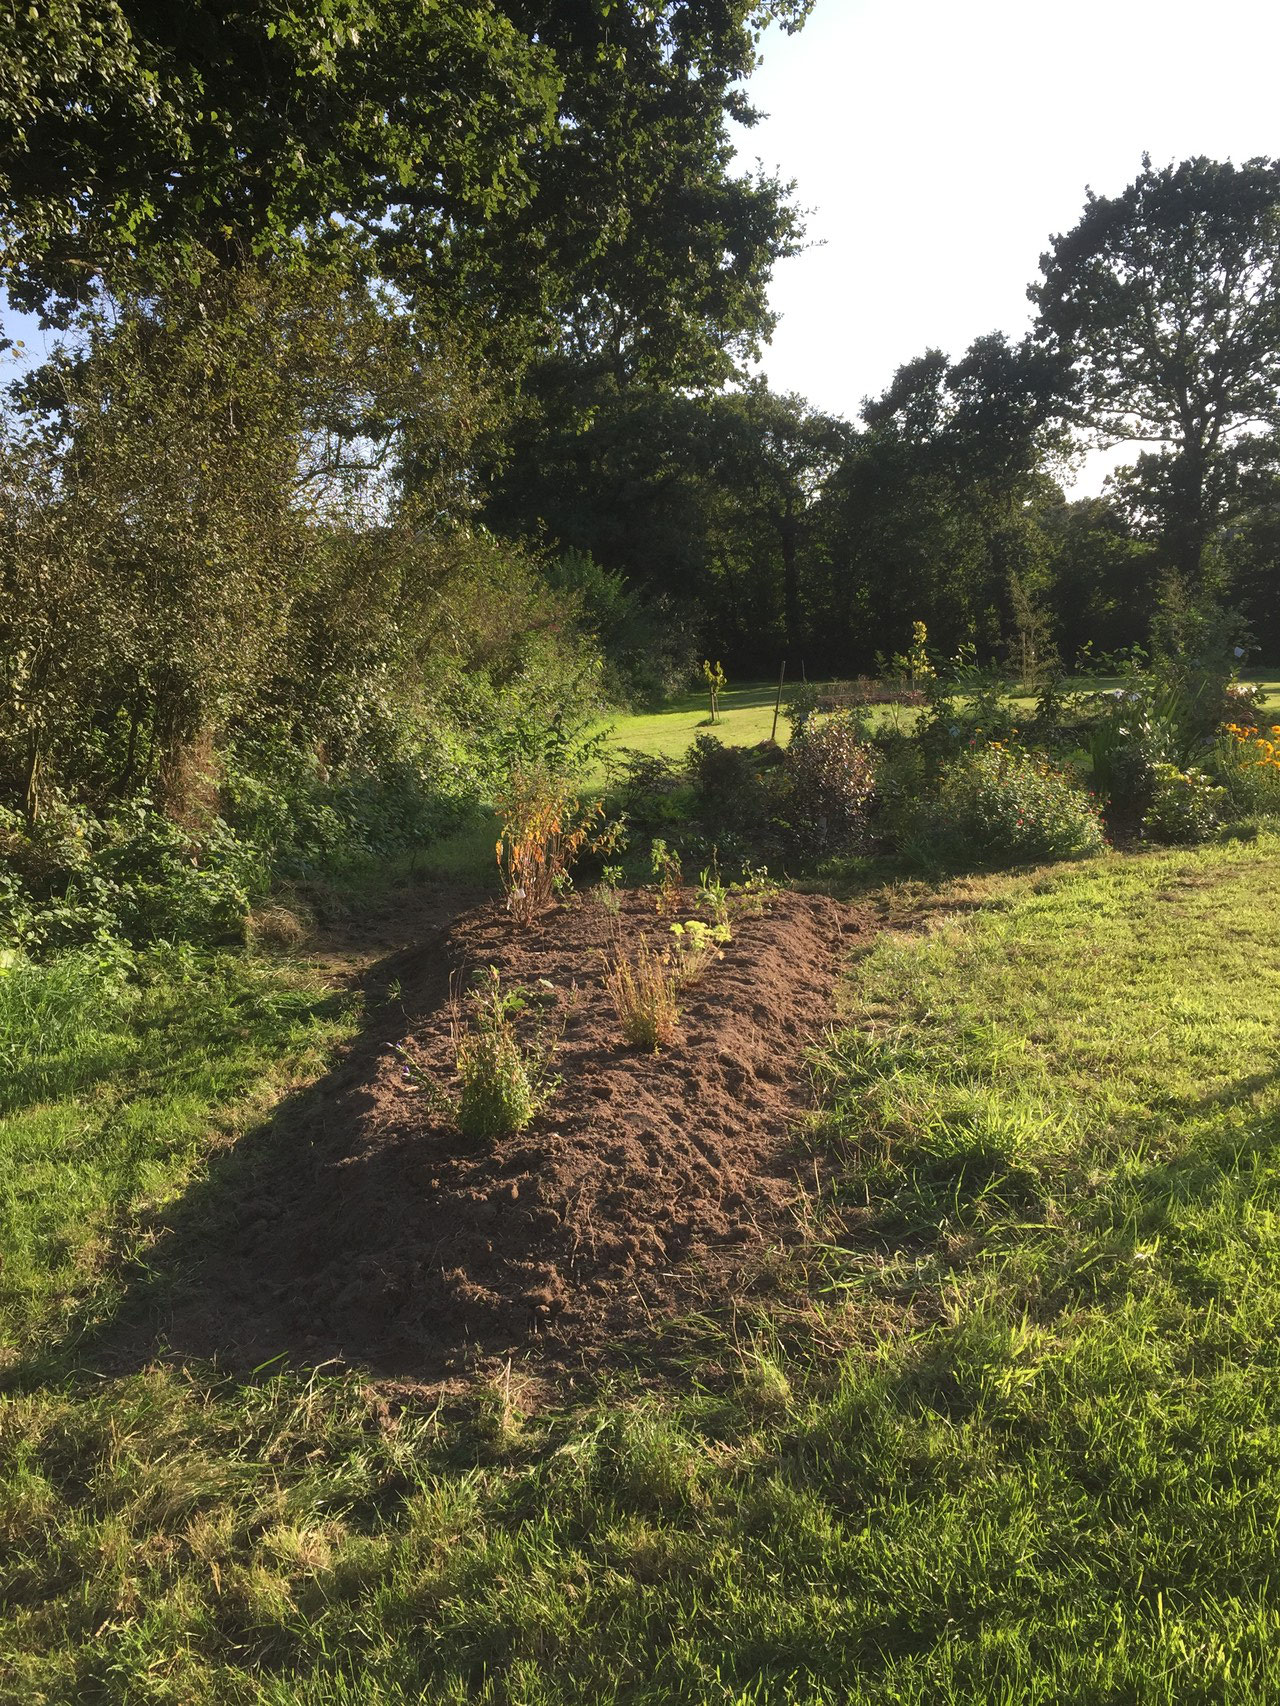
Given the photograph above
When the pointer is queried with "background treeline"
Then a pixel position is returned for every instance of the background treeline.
(803, 535)
(400, 419)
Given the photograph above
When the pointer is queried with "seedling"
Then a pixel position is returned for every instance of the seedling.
(664, 862)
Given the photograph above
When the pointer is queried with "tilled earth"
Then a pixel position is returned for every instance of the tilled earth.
(360, 1226)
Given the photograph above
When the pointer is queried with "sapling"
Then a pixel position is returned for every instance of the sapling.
(716, 679)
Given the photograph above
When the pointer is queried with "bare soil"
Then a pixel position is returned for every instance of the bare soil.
(361, 1227)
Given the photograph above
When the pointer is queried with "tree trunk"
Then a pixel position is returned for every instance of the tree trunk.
(789, 534)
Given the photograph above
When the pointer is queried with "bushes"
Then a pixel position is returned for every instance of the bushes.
(73, 878)
(1247, 764)
(994, 803)
(1185, 805)
(830, 778)
(504, 1083)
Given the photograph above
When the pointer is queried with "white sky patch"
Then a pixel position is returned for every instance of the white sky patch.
(941, 146)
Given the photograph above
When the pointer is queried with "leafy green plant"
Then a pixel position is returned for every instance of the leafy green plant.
(716, 679)
(830, 777)
(505, 1080)
(994, 802)
(664, 864)
(697, 946)
(714, 896)
(1185, 805)
(753, 891)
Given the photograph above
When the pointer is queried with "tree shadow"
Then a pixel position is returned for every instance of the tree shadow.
(239, 1269)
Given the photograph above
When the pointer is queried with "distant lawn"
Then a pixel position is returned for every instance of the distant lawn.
(746, 718)
(1006, 1432)
(746, 715)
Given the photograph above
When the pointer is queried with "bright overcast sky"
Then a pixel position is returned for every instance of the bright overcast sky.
(939, 145)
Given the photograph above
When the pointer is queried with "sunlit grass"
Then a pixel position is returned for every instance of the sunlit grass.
(1005, 1429)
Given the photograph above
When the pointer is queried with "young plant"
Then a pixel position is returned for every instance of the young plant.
(642, 988)
(716, 679)
(752, 893)
(544, 829)
(505, 1082)
(664, 862)
(714, 897)
(697, 945)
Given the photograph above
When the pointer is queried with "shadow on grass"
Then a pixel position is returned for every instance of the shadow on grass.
(208, 1287)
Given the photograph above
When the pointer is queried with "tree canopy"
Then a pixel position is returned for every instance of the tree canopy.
(1164, 301)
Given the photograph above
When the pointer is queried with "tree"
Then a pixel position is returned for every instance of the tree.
(642, 253)
(558, 177)
(778, 453)
(1166, 302)
(130, 129)
(934, 508)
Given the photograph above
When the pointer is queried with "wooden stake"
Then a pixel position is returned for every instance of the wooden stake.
(782, 676)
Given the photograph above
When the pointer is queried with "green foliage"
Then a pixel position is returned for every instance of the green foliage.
(997, 803)
(1027, 1381)
(261, 130)
(665, 869)
(728, 785)
(1185, 805)
(1166, 300)
(506, 1080)
(829, 777)
(648, 653)
(1245, 761)
(717, 681)
(135, 875)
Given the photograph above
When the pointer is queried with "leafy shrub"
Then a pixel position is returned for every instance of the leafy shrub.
(664, 864)
(1006, 804)
(729, 792)
(642, 988)
(651, 790)
(802, 702)
(1186, 805)
(72, 879)
(1132, 737)
(646, 638)
(505, 1083)
(830, 778)
(544, 828)
(1247, 764)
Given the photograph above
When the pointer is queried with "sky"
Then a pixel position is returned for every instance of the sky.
(940, 145)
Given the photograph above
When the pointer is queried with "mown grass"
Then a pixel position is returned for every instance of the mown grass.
(115, 1074)
(746, 715)
(1007, 1429)
(745, 719)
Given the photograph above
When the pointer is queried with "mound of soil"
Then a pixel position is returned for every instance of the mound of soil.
(367, 1229)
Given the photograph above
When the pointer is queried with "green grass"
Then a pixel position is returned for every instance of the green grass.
(746, 718)
(1006, 1431)
(111, 1076)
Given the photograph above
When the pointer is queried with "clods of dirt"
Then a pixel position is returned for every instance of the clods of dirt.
(365, 1228)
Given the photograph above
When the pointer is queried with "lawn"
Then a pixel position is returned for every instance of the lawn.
(746, 716)
(1004, 1427)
